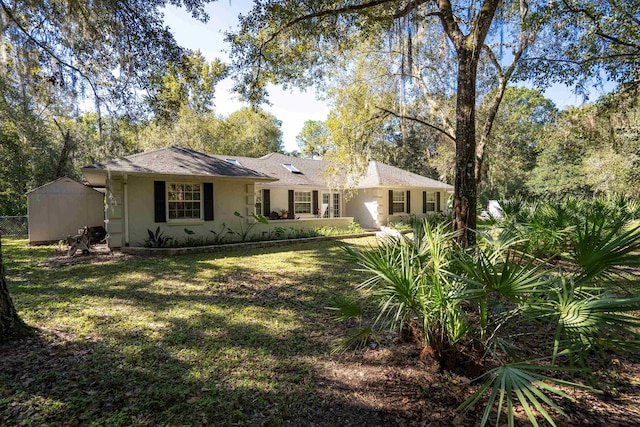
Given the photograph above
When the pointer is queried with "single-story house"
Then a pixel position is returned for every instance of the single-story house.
(384, 194)
(177, 188)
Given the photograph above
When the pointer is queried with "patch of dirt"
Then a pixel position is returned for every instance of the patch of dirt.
(413, 392)
(98, 254)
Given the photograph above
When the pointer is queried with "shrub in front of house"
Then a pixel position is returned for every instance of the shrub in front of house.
(225, 235)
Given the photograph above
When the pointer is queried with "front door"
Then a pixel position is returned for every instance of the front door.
(325, 211)
(330, 205)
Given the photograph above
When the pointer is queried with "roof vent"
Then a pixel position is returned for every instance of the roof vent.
(233, 162)
(291, 168)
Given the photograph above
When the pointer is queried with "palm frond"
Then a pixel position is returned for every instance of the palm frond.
(602, 255)
(523, 383)
(345, 308)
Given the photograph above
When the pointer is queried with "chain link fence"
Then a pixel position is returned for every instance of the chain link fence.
(14, 225)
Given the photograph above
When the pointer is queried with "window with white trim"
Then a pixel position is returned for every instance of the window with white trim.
(302, 202)
(184, 201)
(431, 202)
(398, 201)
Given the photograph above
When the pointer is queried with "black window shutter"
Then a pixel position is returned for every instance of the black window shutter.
(408, 201)
(424, 202)
(314, 202)
(438, 201)
(159, 201)
(292, 209)
(390, 202)
(208, 201)
(266, 202)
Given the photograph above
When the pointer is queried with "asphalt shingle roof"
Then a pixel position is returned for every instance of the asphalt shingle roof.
(176, 160)
(383, 175)
(312, 172)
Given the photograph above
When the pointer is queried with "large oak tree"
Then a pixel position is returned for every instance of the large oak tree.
(292, 42)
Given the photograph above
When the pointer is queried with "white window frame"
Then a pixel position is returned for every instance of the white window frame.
(336, 206)
(431, 201)
(291, 168)
(398, 198)
(200, 201)
(300, 199)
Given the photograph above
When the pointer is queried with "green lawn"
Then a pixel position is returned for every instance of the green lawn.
(232, 338)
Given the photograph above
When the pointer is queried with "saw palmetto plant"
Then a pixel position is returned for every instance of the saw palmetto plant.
(485, 307)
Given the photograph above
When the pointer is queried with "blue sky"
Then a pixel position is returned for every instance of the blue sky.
(292, 107)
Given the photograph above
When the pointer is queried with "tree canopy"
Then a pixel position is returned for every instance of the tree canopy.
(314, 139)
(296, 43)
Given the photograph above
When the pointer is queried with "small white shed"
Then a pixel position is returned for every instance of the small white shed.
(61, 207)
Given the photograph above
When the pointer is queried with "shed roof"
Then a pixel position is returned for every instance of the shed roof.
(62, 185)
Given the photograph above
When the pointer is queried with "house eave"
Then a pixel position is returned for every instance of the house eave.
(103, 173)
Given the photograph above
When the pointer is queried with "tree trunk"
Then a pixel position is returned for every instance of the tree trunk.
(464, 196)
(11, 326)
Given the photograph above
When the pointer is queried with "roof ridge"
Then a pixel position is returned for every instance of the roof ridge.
(62, 178)
(376, 166)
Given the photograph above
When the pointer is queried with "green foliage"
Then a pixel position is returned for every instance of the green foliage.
(597, 40)
(253, 133)
(591, 149)
(409, 285)
(188, 84)
(313, 139)
(353, 228)
(219, 235)
(483, 307)
(519, 382)
(157, 239)
(71, 75)
(245, 225)
(511, 149)
(243, 133)
(559, 168)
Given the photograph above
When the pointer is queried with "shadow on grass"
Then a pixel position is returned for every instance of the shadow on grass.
(231, 338)
(48, 382)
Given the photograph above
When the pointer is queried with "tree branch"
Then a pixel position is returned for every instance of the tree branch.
(448, 21)
(526, 39)
(411, 6)
(417, 120)
(48, 50)
(616, 40)
(624, 12)
(349, 9)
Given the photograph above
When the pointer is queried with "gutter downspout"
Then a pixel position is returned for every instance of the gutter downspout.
(126, 210)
